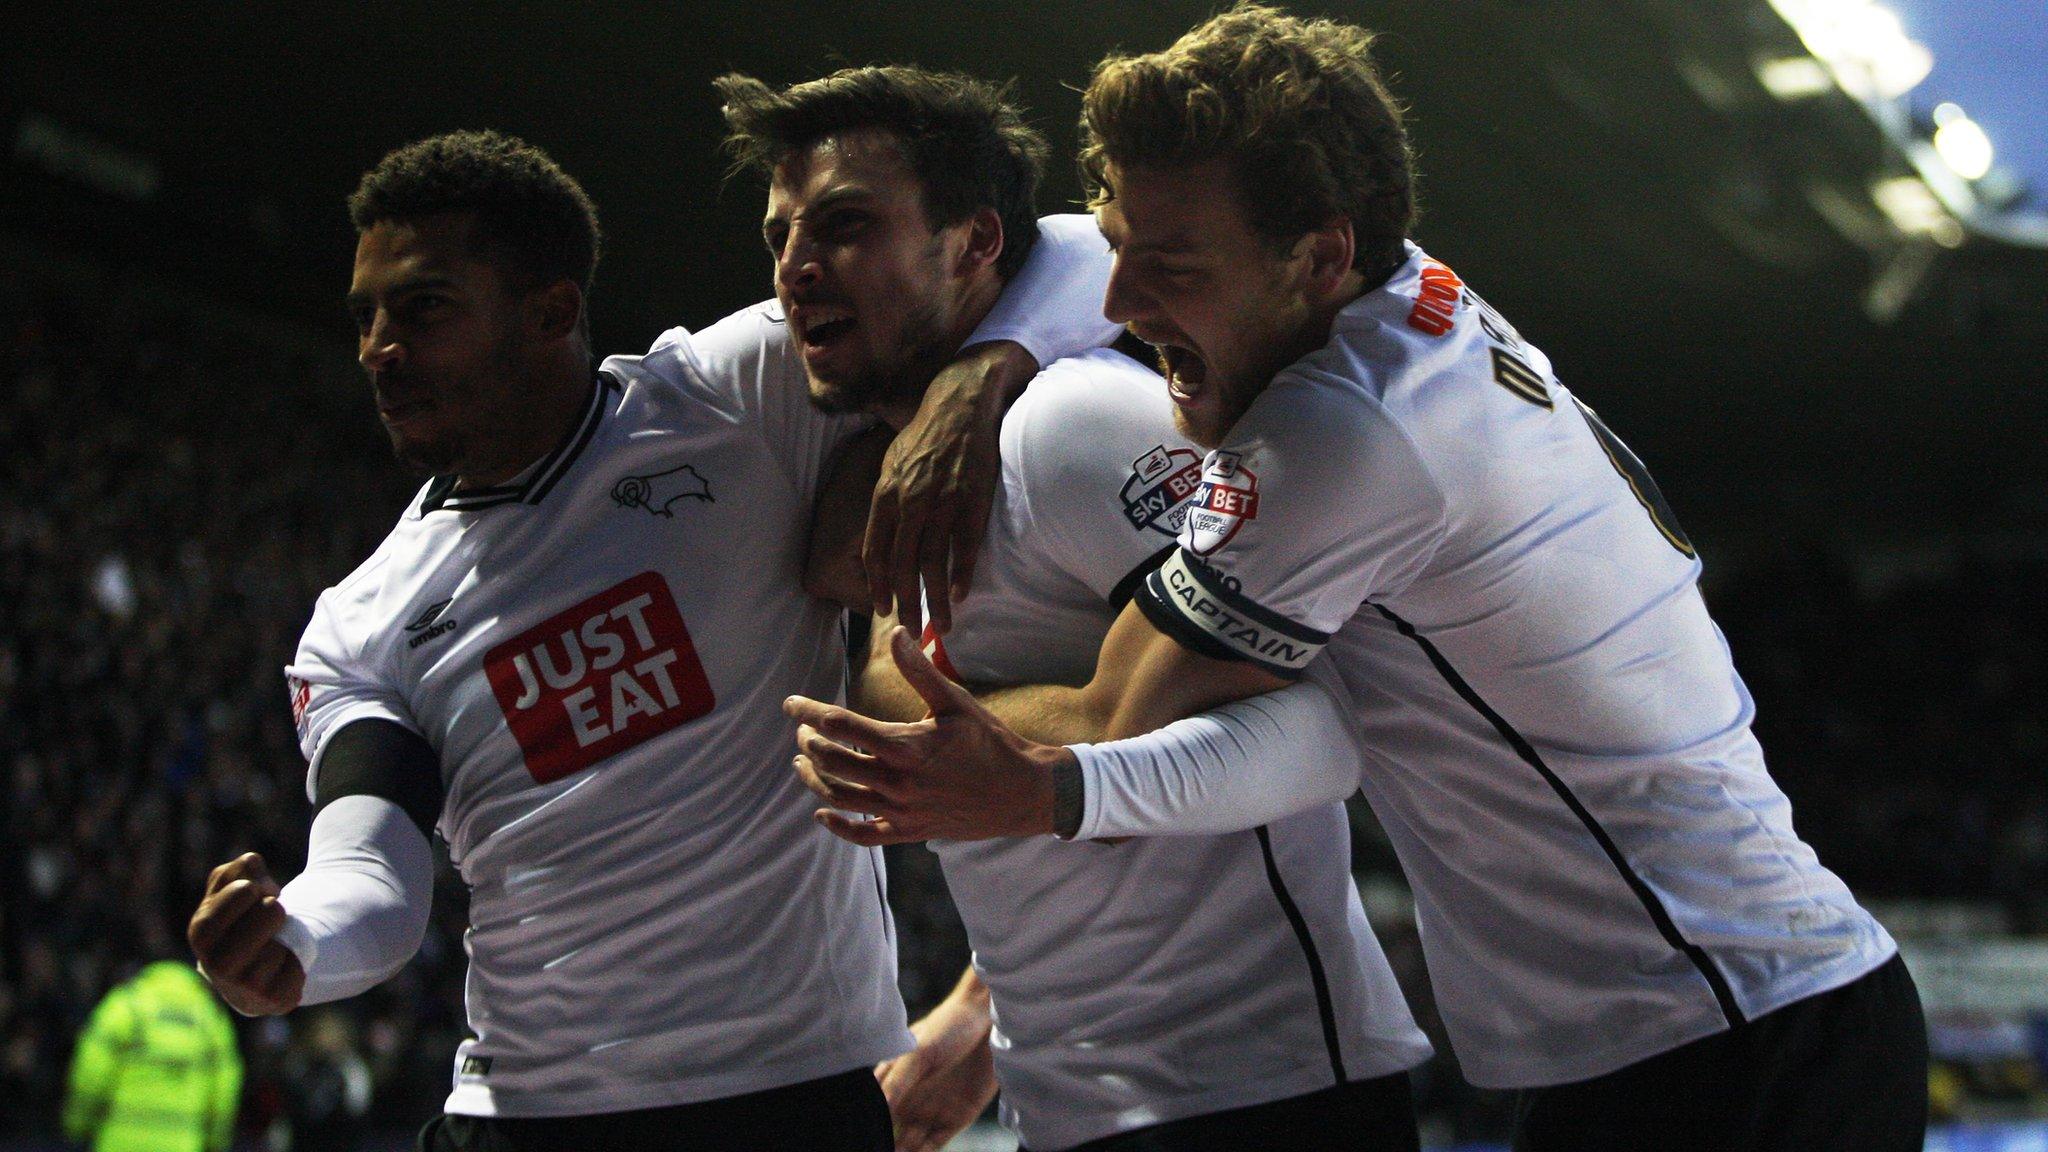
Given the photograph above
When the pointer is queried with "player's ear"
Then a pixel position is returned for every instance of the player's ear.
(556, 310)
(1328, 250)
(984, 241)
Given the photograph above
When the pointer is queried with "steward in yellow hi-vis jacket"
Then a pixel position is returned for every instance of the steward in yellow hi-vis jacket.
(156, 1069)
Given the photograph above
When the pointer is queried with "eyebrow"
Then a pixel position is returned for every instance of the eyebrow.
(1178, 244)
(416, 283)
(845, 194)
(1173, 244)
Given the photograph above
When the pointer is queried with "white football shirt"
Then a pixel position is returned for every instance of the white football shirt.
(1157, 979)
(598, 653)
(1556, 737)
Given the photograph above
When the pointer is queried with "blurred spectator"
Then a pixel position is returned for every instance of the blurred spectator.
(157, 1068)
(326, 1086)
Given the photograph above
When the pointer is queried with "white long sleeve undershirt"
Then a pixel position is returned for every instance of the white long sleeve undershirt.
(1234, 767)
(359, 910)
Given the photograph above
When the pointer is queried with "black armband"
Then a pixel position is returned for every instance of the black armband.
(386, 760)
(1069, 798)
(1127, 587)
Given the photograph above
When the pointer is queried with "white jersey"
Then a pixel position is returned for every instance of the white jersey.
(1556, 737)
(598, 653)
(1162, 978)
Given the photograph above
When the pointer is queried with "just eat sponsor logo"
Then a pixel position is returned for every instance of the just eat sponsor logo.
(614, 671)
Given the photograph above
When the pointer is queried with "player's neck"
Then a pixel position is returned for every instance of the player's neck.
(976, 302)
(1317, 320)
(554, 402)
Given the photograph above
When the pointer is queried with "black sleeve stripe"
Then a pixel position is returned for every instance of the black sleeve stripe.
(1128, 586)
(386, 760)
(1153, 602)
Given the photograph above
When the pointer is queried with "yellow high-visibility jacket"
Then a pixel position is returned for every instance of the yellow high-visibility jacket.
(156, 1068)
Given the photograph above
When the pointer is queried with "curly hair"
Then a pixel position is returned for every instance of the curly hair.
(968, 145)
(1295, 106)
(531, 216)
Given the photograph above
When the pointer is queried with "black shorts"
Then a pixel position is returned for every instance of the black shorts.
(1376, 1115)
(842, 1113)
(1844, 1071)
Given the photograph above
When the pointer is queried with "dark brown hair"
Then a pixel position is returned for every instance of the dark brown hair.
(969, 147)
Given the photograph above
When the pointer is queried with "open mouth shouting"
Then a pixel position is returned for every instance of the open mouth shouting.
(821, 327)
(1186, 374)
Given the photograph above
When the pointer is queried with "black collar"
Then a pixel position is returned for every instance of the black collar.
(535, 482)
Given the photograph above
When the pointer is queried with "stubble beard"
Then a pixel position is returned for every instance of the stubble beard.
(901, 380)
(452, 448)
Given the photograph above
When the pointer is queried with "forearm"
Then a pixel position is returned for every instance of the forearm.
(969, 996)
(359, 910)
(1237, 766)
(1048, 713)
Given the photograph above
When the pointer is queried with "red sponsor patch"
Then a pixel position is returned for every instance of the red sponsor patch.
(1240, 502)
(614, 671)
(1436, 302)
(302, 695)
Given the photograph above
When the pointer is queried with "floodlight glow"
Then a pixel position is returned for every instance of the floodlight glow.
(1864, 43)
(1963, 145)
(1913, 209)
(1794, 77)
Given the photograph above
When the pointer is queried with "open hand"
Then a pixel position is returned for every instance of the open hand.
(960, 774)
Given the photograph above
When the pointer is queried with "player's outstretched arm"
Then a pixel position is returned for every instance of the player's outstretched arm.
(938, 1088)
(358, 911)
(965, 773)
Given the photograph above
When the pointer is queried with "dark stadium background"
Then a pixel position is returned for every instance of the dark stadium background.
(1845, 411)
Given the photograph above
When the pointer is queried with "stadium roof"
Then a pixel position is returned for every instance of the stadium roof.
(1710, 261)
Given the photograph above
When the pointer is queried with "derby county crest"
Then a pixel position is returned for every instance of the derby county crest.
(657, 493)
(1228, 497)
(1156, 495)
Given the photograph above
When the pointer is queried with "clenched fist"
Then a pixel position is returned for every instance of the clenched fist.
(234, 934)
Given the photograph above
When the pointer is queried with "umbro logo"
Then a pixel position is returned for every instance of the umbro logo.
(428, 624)
(658, 492)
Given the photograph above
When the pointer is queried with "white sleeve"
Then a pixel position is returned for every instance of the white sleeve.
(1244, 764)
(1102, 505)
(1317, 502)
(359, 910)
(333, 682)
(748, 367)
(1053, 305)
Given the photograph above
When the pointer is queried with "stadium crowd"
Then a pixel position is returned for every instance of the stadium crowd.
(175, 492)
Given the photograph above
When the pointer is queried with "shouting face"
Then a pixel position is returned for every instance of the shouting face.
(873, 293)
(1194, 279)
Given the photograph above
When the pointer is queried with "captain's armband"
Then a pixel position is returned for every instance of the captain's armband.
(1198, 606)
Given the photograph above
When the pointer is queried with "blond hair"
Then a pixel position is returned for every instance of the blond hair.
(1295, 106)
